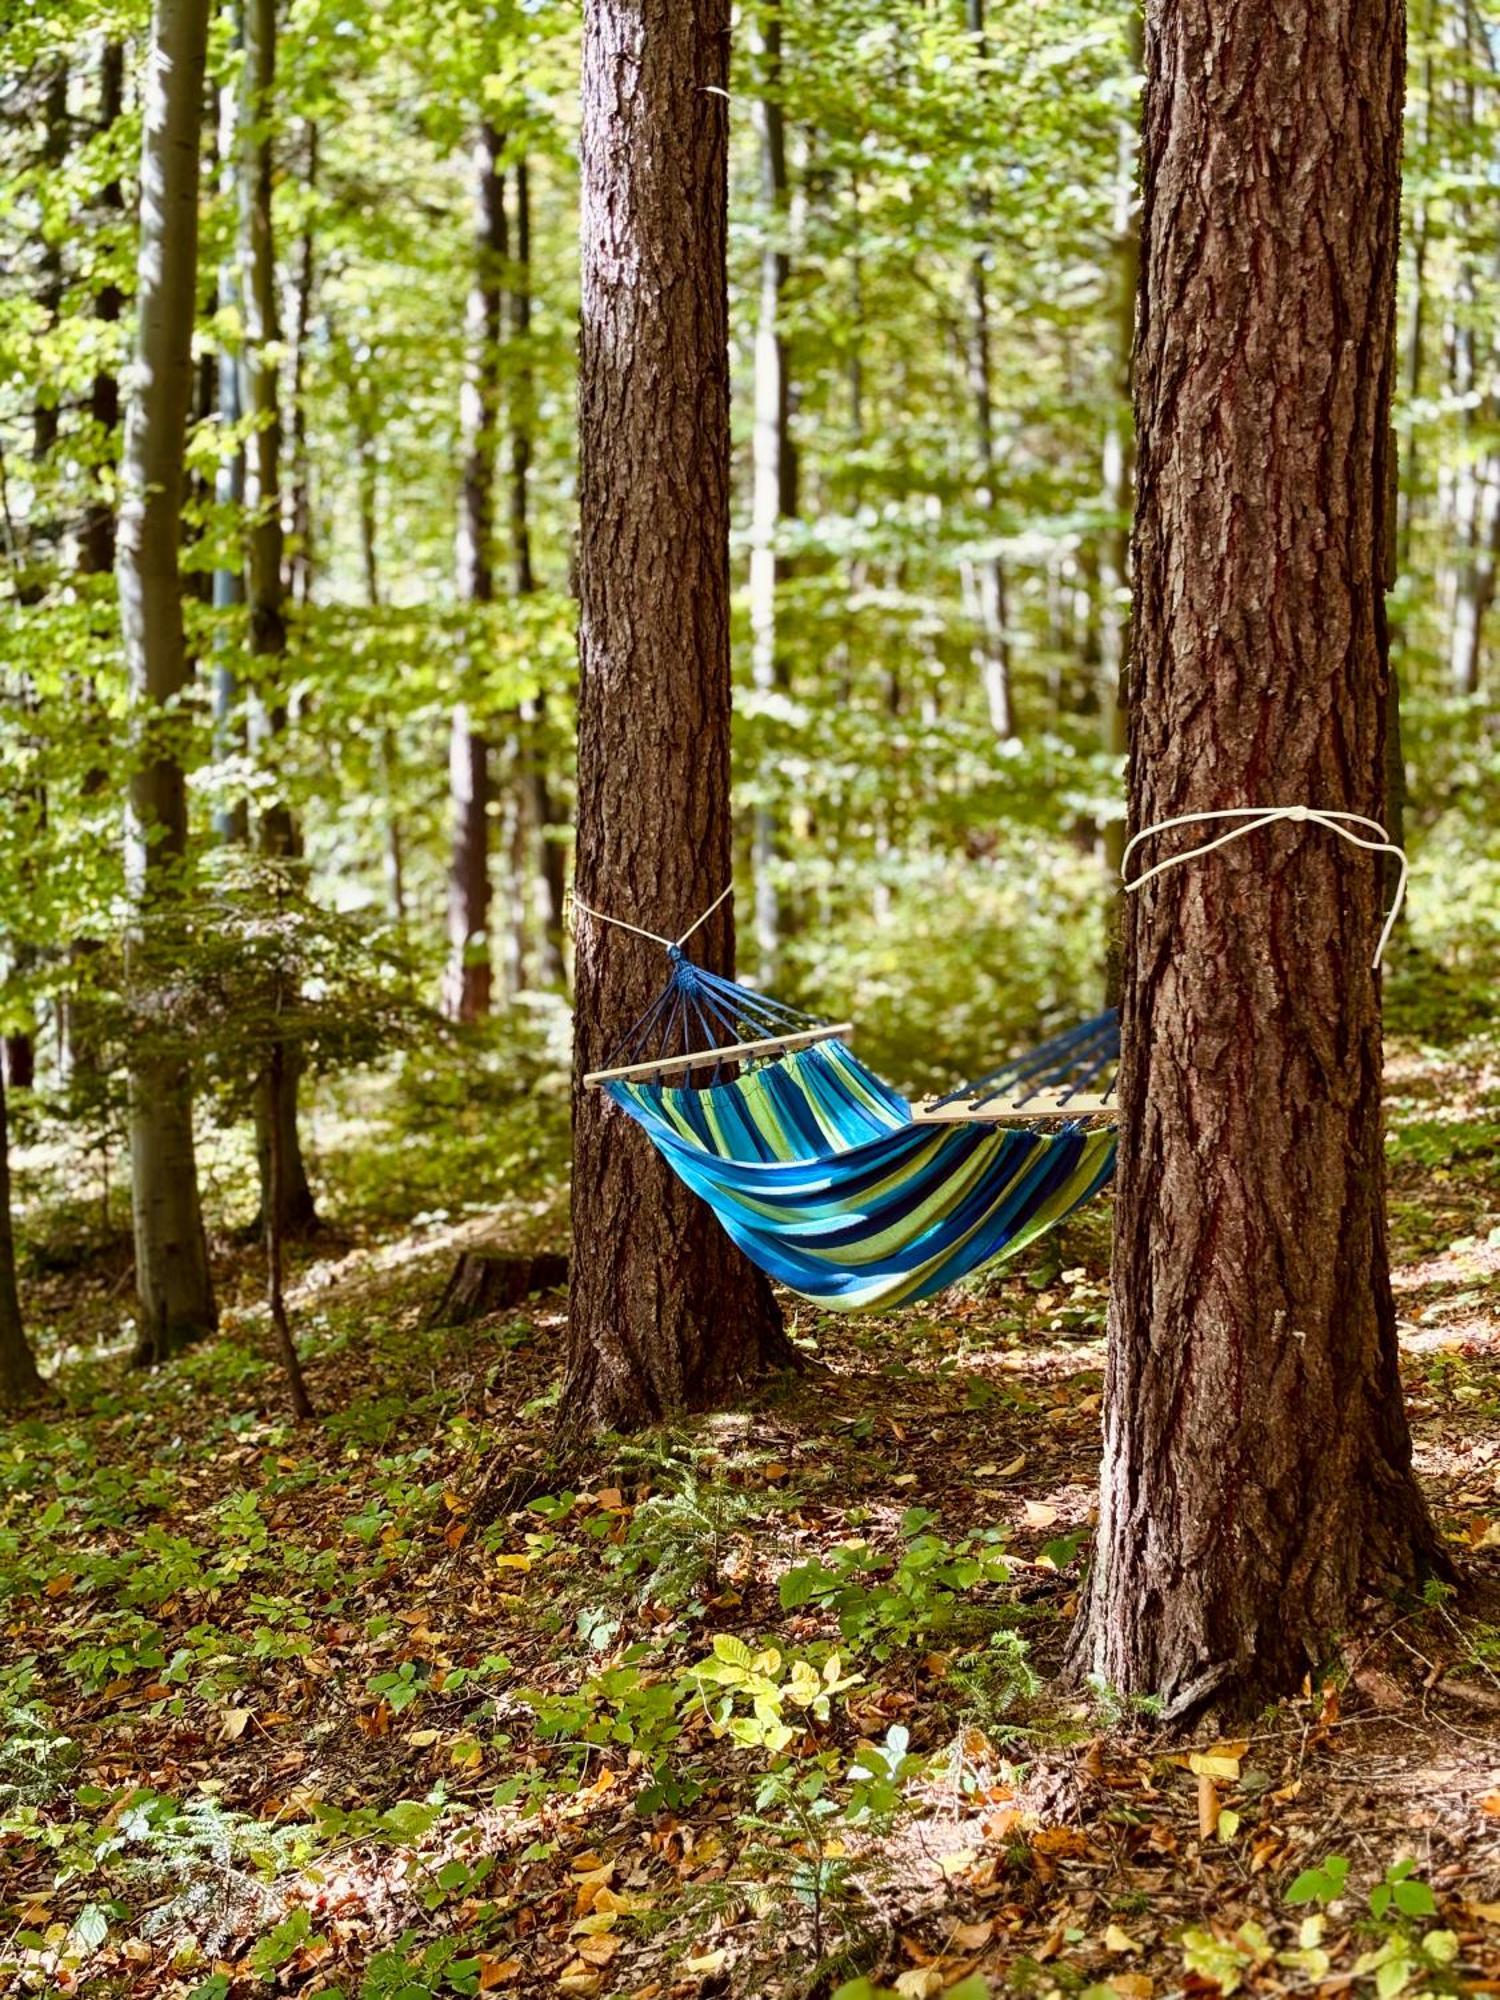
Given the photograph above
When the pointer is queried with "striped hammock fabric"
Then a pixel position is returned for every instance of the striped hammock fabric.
(818, 1171)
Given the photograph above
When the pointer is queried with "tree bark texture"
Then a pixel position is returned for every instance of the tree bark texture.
(468, 985)
(1257, 1477)
(173, 1284)
(20, 1379)
(664, 1313)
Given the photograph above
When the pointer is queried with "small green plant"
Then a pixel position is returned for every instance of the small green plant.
(886, 1604)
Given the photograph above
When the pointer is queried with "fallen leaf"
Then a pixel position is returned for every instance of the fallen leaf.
(1208, 1806)
(1039, 1514)
(233, 1723)
(1117, 1940)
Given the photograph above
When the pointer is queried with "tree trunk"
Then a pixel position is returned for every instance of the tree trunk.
(992, 645)
(273, 1205)
(774, 490)
(278, 1140)
(97, 544)
(20, 1379)
(664, 1314)
(468, 987)
(232, 812)
(541, 809)
(300, 561)
(173, 1284)
(1257, 1474)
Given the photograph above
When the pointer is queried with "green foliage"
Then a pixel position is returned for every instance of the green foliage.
(885, 1605)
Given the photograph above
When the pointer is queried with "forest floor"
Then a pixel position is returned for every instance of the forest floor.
(340, 1709)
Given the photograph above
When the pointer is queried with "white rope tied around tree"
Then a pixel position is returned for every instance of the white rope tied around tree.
(1255, 817)
(670, 944)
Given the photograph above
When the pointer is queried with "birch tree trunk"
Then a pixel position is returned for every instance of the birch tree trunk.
(1257, 1478)
(173, 1285)
(664, 1314)
(468, 986)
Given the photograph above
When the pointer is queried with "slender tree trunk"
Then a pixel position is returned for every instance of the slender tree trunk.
(18, 1046)
(545, 821)
(20, 1378)
(173, 1285)
(664, 1314)
(77, 1040)
(272, 1207)
(774, 488)
(468, 987)
(97, 547)
(992, 646)
(300, 560)
(232, 811)
(1114, 546)
(280, 840)
(1257, 1476)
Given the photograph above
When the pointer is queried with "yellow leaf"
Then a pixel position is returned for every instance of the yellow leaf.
(579, 1977)
(594, 1925)
(1009, 1471)
(513, 1562)
(1039, 1514)
(1131, 1986)
(233, 1723)
(706, 1962)
(1229, 1824)
(920, 1983)
(599, 1950)
(1213, 1764)
(1117, 1940)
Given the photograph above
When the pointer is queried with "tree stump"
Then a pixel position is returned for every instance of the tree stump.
(491, 1281)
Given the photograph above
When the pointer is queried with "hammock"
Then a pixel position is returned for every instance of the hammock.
(829, 1179)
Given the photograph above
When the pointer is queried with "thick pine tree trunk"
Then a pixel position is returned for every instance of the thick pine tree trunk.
(1257, 1479)
(468, 986)
(173, 1285)
(280, 840)
(664, 1314)
(20, 1379)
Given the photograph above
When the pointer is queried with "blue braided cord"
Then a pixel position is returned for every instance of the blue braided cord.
(697, 1010)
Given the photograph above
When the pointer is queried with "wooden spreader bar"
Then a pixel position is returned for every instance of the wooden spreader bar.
(831, 1031)
(1007, 1110)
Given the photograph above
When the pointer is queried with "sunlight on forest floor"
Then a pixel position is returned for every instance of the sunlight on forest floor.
(393, 1705)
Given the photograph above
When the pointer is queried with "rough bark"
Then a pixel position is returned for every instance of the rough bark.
(992, 640)
(664, 1314)
(1257, 1479)
(173, 1284)
(468, 985)
(20, 1378)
